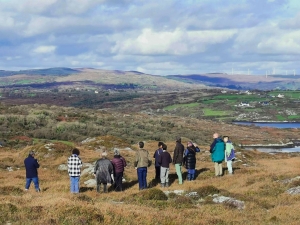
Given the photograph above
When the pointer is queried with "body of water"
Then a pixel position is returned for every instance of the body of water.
(271, 124)
(273, 150)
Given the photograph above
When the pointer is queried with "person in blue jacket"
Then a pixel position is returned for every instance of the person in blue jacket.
(217, 149)
(189, 159)
(156, 155)
(31, 166)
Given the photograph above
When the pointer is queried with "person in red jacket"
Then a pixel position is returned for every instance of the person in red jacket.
(119, 164)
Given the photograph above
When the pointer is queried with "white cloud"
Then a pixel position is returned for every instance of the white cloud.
(44, 49)
(177, 42)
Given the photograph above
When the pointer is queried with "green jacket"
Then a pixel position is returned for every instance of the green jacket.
(217, 154)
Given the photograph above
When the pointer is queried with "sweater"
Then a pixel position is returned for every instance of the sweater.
(141, 158)
(165, 159)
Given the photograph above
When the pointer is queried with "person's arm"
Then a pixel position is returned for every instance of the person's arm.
(175, 154)
(124, 162)
(37, 165)
(79, 163)
(136, 159)
(170, 158)
(197, 149)
(212, 146)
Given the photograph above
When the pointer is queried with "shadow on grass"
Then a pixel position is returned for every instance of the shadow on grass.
(85, 189)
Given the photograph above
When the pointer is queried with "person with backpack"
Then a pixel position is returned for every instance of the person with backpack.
(119, 164)
(217, 149)
(156, 156)
(164, 161)
(178, 158)
(229, 154)
(190, 160)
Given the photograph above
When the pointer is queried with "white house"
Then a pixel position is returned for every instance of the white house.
(244, 104)
(280, 96)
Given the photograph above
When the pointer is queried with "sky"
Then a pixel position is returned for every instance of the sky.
(155, 37)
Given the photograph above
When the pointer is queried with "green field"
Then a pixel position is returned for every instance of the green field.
(189, 105)
(211, 112)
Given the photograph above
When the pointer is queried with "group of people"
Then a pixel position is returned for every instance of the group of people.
(111, 171)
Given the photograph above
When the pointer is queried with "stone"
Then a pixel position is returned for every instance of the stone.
(294, 191)
(90, 183)
(233, 202)
(62, 167)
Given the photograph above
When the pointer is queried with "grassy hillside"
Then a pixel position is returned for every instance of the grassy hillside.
(259, 181)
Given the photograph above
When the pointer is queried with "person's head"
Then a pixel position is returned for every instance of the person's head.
(141, 144)
(178, 139)
(116, 152)
(160, 144)
(190, 143)
(164, 146)
(226, 138)
(75, 151)
(103, 154)
(32, 153)
(215, 135)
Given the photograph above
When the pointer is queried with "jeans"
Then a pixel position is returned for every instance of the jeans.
(191, 174)
(179, 173)
(35, 181)
(74, 184)
(142, 177)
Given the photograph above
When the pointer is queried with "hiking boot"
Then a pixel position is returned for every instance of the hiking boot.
(167, 184)
(162, 184)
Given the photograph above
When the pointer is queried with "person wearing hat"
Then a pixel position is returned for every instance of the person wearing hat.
(190, 159)
(178, 158)
(74, 166)
(31, 166)
(119, 163)
(103, 172)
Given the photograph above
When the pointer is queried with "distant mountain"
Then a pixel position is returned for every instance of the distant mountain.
(117, 79)
(241, 81)
(59, 71)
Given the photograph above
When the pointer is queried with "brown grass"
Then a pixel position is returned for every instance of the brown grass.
(257, 184)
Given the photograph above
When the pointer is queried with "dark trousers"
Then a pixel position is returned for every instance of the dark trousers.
(118, 181)
(142, 177)
(104, 188)
(157, 172)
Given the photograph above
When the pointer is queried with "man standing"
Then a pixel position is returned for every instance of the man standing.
(103, 172)
(178, 158)
(164, 161)
(119, 164)
(31, 166)
(217, 149)
(156, 155)
(141, 163)
(74, 165)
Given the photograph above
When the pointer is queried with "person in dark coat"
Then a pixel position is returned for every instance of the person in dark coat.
(31, 166)
(156, 156)
(119, 164)
(178, 158)
(103, 172)
(164, 161)
(190, 159)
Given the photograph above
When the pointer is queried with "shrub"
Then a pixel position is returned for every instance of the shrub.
(207, 190)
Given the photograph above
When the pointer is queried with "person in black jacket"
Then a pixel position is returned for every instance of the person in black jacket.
(164, 161)
(156, 156)
(190, 159)
(31, 166)
(178, 158)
